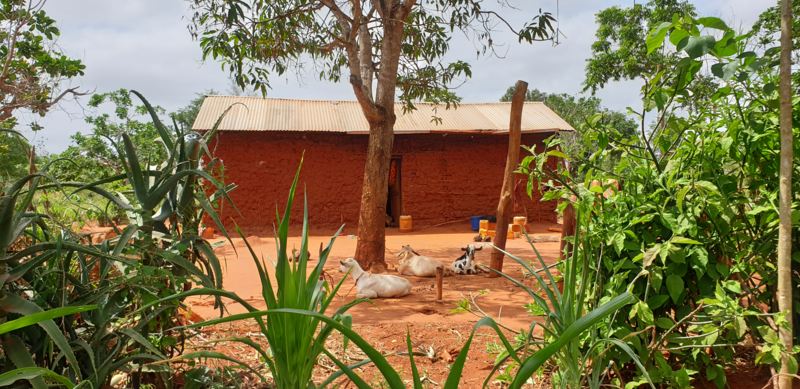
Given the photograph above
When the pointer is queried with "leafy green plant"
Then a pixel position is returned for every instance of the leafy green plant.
(295, 341)
(575, 331)
(691, 204)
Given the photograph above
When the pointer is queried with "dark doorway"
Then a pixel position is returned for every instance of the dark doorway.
(394, 201)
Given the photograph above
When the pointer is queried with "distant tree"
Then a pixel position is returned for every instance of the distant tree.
(576, 111)
(380, 47)
(620, 51)
(92, 156)
(13, 158)
(32, 70)
(185, 116)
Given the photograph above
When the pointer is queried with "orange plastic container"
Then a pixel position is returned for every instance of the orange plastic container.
(405, 223)
(484, 225)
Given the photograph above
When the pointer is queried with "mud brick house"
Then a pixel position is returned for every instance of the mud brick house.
(443, 170)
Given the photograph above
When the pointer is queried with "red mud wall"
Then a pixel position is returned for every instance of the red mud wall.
(443, 178)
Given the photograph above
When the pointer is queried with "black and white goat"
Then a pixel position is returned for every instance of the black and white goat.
(465, 264)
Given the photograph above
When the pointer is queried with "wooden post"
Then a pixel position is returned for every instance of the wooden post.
(785, 194)
(568, 229)
(439, 276)
(505, 207)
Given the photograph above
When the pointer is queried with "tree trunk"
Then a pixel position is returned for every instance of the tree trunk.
(505, 207)
(370, 250)
(785, 193)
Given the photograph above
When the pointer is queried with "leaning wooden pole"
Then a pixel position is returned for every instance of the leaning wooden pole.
(505, 207)
(785, 192)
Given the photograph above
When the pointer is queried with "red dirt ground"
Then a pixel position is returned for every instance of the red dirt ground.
(442, 243)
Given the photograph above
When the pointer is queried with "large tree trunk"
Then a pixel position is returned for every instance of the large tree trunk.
(785, 211)
(370, 250)
(372, 217)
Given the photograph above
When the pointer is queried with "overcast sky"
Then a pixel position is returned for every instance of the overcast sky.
(144, 45)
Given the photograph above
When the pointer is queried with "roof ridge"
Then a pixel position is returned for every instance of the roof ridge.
(356, 102)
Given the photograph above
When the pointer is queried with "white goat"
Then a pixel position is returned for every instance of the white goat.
(375, 285)
(413, 264)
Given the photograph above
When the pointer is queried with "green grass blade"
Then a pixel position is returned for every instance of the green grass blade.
(627, 349)
(414, 372)
(391, 376)
(541, 261)
(339, 373)
(42, 316)
(535, 361)
(360, 383)
(551, 290)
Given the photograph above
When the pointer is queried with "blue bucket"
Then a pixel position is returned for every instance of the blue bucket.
(476, 222)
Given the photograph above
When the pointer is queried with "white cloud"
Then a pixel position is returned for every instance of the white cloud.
(144, 45)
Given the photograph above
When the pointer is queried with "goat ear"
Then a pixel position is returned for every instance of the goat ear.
(412, 250)
(398, 254)
(479, 248)
(463, 249)
(343, 264)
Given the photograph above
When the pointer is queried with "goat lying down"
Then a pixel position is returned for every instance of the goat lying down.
(465, 264)
(375, 285)
(413, 264)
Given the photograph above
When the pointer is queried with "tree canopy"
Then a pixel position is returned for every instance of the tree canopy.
(387, 50)
(33, 69)
(620, 51)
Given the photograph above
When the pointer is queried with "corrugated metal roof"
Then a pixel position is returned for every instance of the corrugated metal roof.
(267, 114)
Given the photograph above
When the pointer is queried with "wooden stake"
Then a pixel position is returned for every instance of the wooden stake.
(567, 230)
(505, 207)
(439, 276)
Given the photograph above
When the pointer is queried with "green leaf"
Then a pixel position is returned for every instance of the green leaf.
(725, 71)
(791, 364)
(664, 322)
(712, 22)
(15, 350)
(19, 305)
(556, 153)
(650, 255)
(657, 301)
(42, 316)
(733, 286)
(677, 36)
(674, 287)
(740, 326)
(656, 38)
(32, 374)
(619, 242)
(643, 312)
(677, 254)
(414, 372)
(711, 372)
(697, 46)
(682, 240)
(682, 196)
